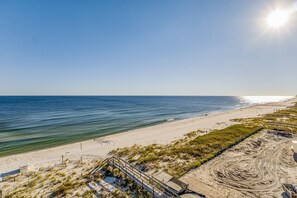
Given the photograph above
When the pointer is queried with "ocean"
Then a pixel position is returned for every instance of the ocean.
(36, 122)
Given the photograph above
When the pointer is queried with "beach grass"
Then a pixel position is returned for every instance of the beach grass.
(185, 154)
(196, 148)
(65, 181)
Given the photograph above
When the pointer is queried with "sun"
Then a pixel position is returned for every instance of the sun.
(278, 18)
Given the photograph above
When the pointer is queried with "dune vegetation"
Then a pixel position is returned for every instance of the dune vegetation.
(197, 147)
(65, 180)
(182, 155)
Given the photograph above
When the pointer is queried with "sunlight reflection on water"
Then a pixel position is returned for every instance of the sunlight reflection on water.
(265, 99)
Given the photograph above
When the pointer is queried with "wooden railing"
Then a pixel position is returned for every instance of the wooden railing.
(152, 185)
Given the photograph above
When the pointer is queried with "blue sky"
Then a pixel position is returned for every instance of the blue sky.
(155, 47)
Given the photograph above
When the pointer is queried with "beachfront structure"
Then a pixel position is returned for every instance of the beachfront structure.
(294, 146)
(177, 185)
(159, 185)
(150, 184)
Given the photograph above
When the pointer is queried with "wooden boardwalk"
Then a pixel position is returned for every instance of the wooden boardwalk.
(153, 186)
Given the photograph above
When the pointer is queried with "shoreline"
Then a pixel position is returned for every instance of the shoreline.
(156, 134)
(161, 122)
(40, 134)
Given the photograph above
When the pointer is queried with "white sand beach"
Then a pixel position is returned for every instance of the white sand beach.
(160, 134)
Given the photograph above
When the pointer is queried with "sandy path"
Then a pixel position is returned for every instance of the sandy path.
(254, 168)
(162, 134)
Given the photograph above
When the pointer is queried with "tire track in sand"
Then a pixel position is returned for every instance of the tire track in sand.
(253, 168)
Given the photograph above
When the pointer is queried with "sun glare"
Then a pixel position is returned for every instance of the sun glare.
(278, 18)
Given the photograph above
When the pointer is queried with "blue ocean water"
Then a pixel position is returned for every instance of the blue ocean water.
(35, 122)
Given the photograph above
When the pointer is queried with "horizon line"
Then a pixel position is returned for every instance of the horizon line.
(134, 95)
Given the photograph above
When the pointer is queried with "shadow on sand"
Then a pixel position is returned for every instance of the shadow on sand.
(284, 195)
(10, 173)
(93, 190)
(295, 157)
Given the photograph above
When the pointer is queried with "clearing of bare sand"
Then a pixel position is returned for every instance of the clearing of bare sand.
(254, 168)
